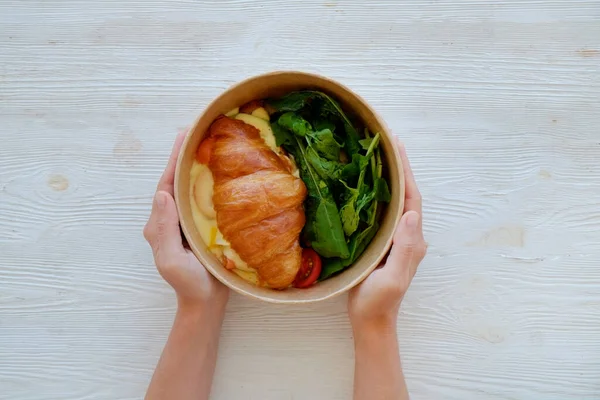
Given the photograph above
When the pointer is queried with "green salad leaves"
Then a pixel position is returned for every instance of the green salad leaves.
(342, 172)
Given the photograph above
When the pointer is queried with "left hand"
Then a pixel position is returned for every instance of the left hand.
(194, 285)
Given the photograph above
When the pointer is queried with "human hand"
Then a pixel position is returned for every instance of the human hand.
(194, 285)
(376, 301)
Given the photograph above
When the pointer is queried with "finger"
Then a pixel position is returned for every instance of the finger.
(409, 247)
(413, 196)
(168, 177)
(166, 243)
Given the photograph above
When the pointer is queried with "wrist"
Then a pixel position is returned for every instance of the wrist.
(374, 338)
(375, 326)
(198, 310)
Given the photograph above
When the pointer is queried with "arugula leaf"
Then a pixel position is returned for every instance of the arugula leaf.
(366, 143)
(349, 213)
(328, 238)
(363, 201)
(382, 191)
(295, 123)
(282, 135)
(374, 172)
(352, 170)
(293, 101)
(331, 266)
(322, 123)
(326, 107)
(324, 142)
(325, 227)
(330, 106)
(380, 186)
(322, 152)
(357, 245)
(329, 171)
(379, 164)
(359, 242)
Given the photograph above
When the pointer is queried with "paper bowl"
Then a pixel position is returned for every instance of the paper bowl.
(272, 85)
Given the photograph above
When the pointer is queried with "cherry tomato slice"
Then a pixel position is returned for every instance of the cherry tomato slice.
(204, 151)
(229, 264)
(249, 107)
(310, 269)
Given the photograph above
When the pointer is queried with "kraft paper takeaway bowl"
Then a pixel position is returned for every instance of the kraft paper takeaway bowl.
(370, 169)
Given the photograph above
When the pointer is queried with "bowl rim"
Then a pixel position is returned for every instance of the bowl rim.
(388, 244)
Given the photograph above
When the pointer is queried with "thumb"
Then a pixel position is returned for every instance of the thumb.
(409, 246)
(168, 236)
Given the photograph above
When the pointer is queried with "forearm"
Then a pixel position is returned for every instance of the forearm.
(186, 366)
(378, 371)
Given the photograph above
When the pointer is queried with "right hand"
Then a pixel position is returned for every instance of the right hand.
(196, 288)
(376, 301)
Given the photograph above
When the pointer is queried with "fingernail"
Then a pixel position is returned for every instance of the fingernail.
(412, 219)
(161, 200)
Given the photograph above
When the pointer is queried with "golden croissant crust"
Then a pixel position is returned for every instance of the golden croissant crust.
(257, 200)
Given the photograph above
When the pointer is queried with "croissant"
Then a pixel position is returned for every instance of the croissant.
(258, 202)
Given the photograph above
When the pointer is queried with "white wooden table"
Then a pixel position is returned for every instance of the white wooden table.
(499, 106)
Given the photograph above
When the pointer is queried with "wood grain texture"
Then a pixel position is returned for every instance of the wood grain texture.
(499, 106)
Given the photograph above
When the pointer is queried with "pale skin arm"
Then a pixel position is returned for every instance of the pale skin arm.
(373, 306)
(187, 364)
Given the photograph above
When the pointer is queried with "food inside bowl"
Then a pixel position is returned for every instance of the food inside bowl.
(287, 192)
